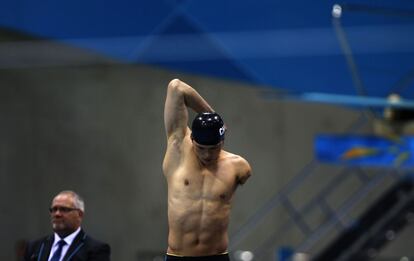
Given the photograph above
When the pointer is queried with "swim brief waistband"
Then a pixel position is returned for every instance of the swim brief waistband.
(220, 257)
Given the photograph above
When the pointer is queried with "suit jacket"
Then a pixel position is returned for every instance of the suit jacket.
(83, 248)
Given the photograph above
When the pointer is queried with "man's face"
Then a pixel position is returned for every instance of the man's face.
(207, 154)
(65, 217)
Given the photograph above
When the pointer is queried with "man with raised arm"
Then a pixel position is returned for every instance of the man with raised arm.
(201, 177)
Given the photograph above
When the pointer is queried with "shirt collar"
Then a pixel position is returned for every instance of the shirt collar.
(69, 239)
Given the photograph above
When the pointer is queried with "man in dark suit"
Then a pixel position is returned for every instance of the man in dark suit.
(69, 242)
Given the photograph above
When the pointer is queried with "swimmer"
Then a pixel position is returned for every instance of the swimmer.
(202, 177)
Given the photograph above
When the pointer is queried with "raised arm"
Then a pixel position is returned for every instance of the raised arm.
(181, 96)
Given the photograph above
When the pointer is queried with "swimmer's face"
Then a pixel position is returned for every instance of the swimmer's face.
(207, 154)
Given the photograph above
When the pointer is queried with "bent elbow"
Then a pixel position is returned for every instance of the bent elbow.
(174, 84)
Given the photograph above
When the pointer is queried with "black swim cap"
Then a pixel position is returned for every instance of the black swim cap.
(208, 128)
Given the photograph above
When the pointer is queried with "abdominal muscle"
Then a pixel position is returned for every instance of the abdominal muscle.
(197, 227)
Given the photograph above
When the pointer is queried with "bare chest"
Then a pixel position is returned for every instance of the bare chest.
(195, 184)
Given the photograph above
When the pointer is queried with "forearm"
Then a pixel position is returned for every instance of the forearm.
(180, 97)
(192, 99)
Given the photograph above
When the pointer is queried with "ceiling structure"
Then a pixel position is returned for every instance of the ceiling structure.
(299, 48)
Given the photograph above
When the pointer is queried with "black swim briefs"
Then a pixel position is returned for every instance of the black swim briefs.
(221, 257)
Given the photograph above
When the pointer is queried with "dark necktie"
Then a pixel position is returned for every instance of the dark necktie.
(58, 252)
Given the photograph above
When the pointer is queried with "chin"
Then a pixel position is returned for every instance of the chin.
(58, 227)
(207, 162)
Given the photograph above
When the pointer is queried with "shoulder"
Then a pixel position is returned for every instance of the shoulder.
(237, 160)
(96, 249)
(33, 248)
(38, 242)
(95, 242)
(241, 166)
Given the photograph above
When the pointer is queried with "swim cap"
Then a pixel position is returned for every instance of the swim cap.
(208, 128)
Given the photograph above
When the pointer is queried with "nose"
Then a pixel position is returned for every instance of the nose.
(206, 154)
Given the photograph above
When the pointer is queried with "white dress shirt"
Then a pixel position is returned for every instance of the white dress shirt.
(69, 239)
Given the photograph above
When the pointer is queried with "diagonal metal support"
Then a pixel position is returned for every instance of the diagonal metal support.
(296, 216)
(273, 202)
(347, 51)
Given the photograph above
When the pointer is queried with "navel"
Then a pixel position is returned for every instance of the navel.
(222, 196)
(186, 182)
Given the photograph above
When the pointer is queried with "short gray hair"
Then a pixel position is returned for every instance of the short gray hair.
(78, 200)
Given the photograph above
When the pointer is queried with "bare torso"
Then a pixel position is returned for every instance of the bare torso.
(199, 200)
